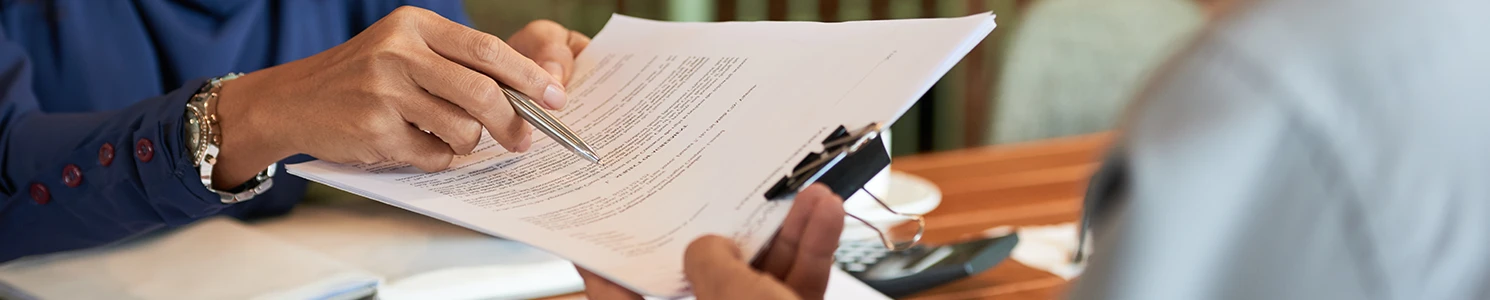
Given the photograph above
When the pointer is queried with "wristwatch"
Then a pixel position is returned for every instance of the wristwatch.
(203, 139)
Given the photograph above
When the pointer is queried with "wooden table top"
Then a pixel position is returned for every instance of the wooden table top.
(1035, 183)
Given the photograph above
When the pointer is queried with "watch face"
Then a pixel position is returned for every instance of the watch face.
(193, 129)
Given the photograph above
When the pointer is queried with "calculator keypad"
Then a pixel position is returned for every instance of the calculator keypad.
(858, 256)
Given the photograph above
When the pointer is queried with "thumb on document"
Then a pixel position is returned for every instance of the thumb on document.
(796, 265)
(714, 266)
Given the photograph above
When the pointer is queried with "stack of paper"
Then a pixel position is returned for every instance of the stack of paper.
(423, 258)
(694, 122)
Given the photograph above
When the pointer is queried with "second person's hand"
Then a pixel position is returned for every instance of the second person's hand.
(795, 266)
(550, 45)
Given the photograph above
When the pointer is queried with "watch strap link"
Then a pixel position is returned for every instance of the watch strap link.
(208, 141)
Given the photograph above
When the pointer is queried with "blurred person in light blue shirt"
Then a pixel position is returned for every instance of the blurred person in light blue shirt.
(1320, 149)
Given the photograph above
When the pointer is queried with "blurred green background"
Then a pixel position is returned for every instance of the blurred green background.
(1069, 73)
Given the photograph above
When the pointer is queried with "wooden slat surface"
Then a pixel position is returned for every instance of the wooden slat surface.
(827, 10)
(1034, 183)
(879, 9)
(776, 10)
(725, 10)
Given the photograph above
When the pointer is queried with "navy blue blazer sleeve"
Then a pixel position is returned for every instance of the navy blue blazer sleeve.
(371, 11)
(84, 179)
(78, 180)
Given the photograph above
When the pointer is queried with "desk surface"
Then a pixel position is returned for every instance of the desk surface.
(1033, 183)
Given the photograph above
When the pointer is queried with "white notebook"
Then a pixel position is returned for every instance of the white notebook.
(217, 258)
(424, 258)
(693, 122)
(343, 251)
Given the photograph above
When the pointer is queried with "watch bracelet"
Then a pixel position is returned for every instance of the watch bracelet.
(204, 155)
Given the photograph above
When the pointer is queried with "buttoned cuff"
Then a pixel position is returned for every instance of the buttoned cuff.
(140, 154)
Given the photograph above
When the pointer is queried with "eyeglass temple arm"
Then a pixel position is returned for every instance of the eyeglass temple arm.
(889, 242)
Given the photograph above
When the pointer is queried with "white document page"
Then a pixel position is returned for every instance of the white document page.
(693, 122)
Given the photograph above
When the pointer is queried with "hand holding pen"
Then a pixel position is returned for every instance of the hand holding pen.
(413, 87)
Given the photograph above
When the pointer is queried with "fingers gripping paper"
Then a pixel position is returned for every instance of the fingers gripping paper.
(694, 120)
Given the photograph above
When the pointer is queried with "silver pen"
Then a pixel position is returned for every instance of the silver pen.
(546, 123)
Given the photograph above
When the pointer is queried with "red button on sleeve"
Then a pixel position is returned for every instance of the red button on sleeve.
(106, 154)
(40, 194)
(144, 150)
(72, 176)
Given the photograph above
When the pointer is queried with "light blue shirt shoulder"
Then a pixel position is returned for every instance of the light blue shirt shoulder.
(1321, 149)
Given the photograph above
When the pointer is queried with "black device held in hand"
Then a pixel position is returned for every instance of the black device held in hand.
(901, 273)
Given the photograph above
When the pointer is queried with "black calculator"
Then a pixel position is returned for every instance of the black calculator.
(901, 273)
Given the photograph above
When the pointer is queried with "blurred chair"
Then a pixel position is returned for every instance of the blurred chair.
(1073, 65)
